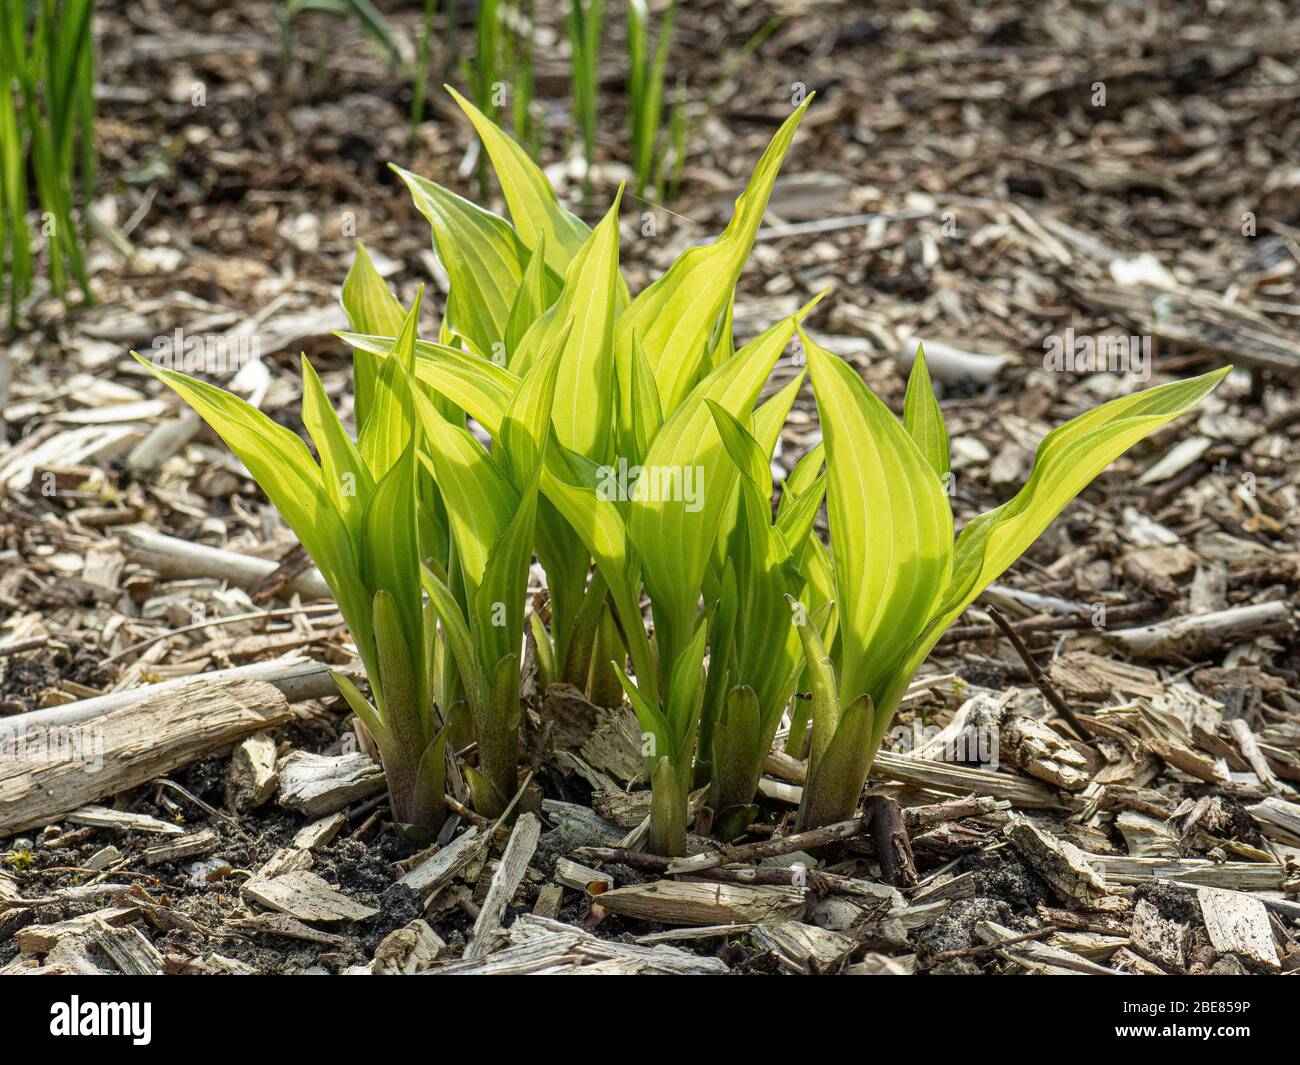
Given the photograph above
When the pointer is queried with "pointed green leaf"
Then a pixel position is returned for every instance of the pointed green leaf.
(282, 466)
(390, 559)
(688, 482)
(344, 473)
(480, 498)
(530, 301)
(835, 786)
(371, 308)
(1069, 457)
(891, 525)
(387, 430)
(534, 209)
(923, 418)
(482, 256)
(585, 409)
(675, 317)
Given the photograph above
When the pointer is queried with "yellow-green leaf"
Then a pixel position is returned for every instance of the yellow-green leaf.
(891, 526)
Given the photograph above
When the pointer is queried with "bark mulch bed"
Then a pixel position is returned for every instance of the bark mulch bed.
(1113, 789)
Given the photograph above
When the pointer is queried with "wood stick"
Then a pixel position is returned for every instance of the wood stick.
(893, 847)
(1188, 637)
(505, 882)
(1053, 697)
(172, 557)
(769, 848)
(47, 774)
(297, 678)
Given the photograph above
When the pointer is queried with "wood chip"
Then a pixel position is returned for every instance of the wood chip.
(316, 784)
(582, 877)
(408, 950)
(281, 924)
(193, 845)
(40, 938)
(1278, 819)
(683, 902)
(543, 947)
(306, 896)
(1238, 924)
(1160, 939)
(505, 882)
(319, 833)
(804, 949)
(129, 951)
(251, 775)
(123, 820)
(1244, 876)
(436, 871)
(1063, 865)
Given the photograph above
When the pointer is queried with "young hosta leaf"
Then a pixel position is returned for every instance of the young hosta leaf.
(526, 424)
(534, 209)
(891, 525)
(585, 410)
(388, 428)
(483, 257)
(344, 473)
(688, 482)
(371, 308)
(370, 304)
(767, 421)
(545, 652)
(822, 683)
(480, 387)
(647, 414)
(724, 343)
(602, 685)
(587, 504)
(804, 475)
(498, 741)
(675, 317)
(459, 640)
(480, 499)
(498, 619)
(685, 692)
(400, 700)
(1069, 457)
(283, 467)
(668, 810)
(835, 784)
(390, 557)
(923, 418)
(360, 706)
(658, 738)
(767, 648)
(737, 754)
(531, 300)
(431, 784)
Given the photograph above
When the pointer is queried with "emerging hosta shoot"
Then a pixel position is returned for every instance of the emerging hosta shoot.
(630, 456)
(357, 514)
(899, 579)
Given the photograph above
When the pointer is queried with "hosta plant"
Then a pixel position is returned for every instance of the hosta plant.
(629, 454)
(899, 578)
(635, 382)
(356, 511)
